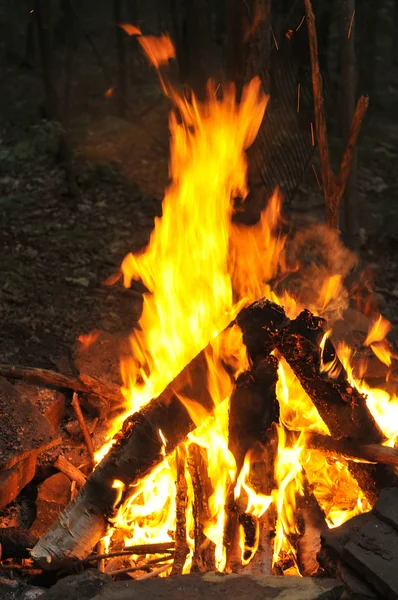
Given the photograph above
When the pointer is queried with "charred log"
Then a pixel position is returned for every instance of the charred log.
(341, 406)
(253, 411)
(137, 449)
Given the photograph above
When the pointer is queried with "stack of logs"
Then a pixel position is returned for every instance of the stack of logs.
(254, 410)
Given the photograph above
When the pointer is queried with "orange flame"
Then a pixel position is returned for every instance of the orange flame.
(200, 269)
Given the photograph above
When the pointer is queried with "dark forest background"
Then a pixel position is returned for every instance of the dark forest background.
(84, 142)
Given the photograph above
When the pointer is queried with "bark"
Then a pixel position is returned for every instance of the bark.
(348, 95)
(136, 451)
(121, 90)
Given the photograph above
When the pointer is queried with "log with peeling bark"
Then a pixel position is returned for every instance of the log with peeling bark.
(340, 405)
(253, 411)
(311, 524)
(137, 449)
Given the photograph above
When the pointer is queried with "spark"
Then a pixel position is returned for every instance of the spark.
(273, 35)
(301, 22)
(316, 176)
(351, 24)
(312, 135)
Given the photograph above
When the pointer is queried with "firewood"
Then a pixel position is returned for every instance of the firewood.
(181, 543)
(349, 448)
(66, 467)
(203, 558)
(312, 523)
(340, 405)
(137, 449)
(82, 423)
(44, 377)
(253, 410)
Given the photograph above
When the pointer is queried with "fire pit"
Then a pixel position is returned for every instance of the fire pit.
(240, 432)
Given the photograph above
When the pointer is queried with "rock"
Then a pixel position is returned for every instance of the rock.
(373, 554)
(355, 585)
(13, 480)
(11, 589)
(334, 540)
(53, 497)
(51, 403)
(214, 586)
(386, 507)
(83, 586)
(15, 542)
(24, 431)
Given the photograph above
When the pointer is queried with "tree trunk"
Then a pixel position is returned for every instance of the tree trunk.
(348, 101)
(121, 90)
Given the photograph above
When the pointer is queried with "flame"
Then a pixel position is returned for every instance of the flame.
(377, 331)
(199, 269)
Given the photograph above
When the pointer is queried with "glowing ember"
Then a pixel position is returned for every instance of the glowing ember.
(200, 269)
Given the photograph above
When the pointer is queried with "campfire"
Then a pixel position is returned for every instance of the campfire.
(246, 429)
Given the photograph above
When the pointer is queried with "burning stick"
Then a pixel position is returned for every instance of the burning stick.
(312, 524)
(79, 416)
(203, 557)
(137, 449)
(46, 377)
(333, 186)
(349, 448)
(181, 544)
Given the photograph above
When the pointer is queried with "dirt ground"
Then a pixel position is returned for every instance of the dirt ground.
(57, 251)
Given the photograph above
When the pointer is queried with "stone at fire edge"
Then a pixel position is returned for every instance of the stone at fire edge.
(24, 433)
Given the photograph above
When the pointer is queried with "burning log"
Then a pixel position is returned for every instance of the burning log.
(349, 448)
(137, 449)
(312, 524)
(341, 406)
(203, 557)
(181, 544)
(253, 410)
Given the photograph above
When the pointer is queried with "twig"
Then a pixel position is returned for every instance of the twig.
(44, 376)
(79, 416)
(154, 573)
(154, 561)
(165, 547)
(101, 563)
(70, 470)
(333, 186)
